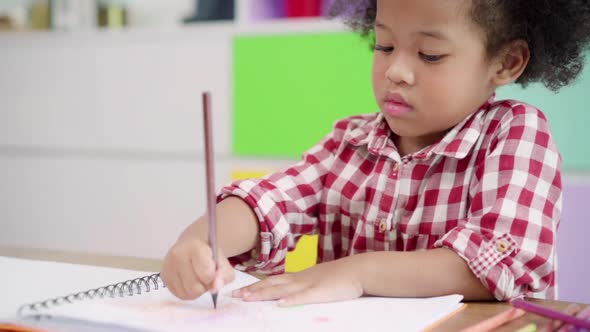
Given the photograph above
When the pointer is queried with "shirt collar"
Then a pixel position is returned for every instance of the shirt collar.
(374, 133)
(456, 143)
(459, 141)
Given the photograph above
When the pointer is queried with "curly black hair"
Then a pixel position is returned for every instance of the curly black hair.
(557, 32)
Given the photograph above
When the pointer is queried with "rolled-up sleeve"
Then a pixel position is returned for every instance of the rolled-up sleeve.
(509, 236)
(286, 204)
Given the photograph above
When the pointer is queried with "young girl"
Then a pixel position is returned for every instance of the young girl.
(445, 190)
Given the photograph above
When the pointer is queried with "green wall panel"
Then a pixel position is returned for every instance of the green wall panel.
(289, 90)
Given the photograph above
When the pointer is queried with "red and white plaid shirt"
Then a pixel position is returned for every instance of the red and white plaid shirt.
(490, 190)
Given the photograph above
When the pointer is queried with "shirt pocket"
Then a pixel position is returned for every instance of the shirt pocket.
(412, 235)
(370, 235)
(382, 234)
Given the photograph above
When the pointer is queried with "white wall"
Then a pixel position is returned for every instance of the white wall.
(101, 146)
(101, 133)
(121, 206)
(114, 90)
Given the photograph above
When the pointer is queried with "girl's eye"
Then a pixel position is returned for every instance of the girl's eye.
(431, 58)
(381, 48)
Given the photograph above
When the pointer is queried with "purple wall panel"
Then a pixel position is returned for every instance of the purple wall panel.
(326, 7)
(265, 9)
(573, 243)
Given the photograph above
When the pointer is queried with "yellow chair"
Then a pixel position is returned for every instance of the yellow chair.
(304, 255)
(306, 251)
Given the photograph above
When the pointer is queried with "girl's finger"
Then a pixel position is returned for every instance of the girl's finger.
(274, 292)
(172, 282)
(306, 296)
(227, 271)
(204, 267)
(268, 282)
(191, 285)
(315, 294)
(217, 282)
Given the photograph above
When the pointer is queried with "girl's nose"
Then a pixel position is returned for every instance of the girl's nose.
(399, 70)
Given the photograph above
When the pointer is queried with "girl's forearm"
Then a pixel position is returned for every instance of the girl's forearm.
(418, 274)
(237, 227)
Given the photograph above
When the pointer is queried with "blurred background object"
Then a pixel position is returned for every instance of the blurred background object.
(40, 15)
(158, 13)
(212, 10)
(13, 16)
(303, 8)
(6, 23)
(73, 14)
(112, 14)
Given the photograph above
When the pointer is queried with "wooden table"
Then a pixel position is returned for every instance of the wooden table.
(471, 314)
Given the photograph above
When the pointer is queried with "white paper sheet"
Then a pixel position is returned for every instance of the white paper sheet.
(161, 311)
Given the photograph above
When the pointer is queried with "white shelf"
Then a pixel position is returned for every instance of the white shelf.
(212, 28)
(290, 25)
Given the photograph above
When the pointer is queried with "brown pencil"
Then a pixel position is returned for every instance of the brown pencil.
(210, 178)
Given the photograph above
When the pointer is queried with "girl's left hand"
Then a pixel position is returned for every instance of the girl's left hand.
(327, 282)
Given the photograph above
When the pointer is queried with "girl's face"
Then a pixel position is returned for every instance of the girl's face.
(430, 69)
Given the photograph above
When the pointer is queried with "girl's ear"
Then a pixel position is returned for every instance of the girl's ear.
(511, 62)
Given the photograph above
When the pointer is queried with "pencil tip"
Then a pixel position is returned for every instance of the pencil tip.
(214, 297)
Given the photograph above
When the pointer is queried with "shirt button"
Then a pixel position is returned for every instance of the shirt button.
(501, 246)
(382, 226)
(394, 170)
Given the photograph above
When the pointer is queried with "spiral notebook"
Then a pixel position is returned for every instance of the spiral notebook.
(142, 302)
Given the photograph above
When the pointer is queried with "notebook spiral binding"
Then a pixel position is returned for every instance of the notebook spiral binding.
(121, 289)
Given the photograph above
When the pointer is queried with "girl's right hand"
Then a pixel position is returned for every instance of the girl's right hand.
(189, 270)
